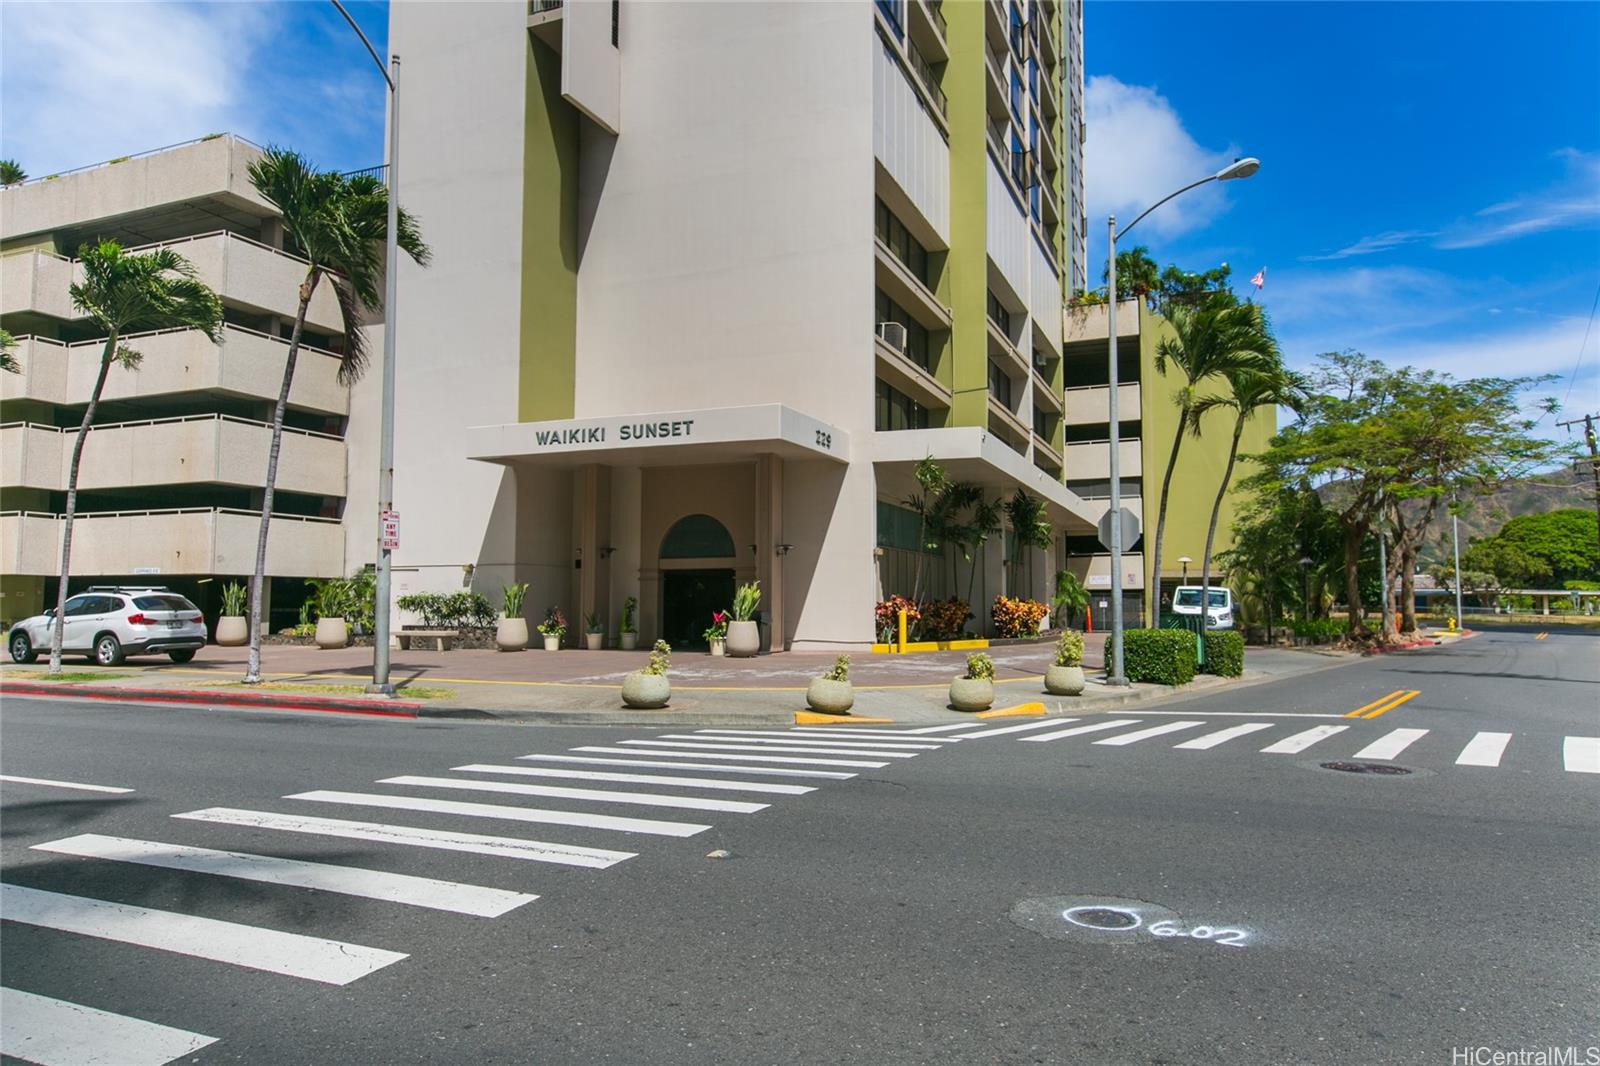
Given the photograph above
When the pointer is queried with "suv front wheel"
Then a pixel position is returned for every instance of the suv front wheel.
(108, 650)
(21, 648)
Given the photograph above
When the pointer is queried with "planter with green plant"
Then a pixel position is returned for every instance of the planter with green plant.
(1064, 676)
(233, 628)
(332, 599)
(831, 693)
(649, 689)
(716, 634)
(975, 690)
(744, 637)
(553, 628)
(594, 632)
(628, 631)
(511, 631)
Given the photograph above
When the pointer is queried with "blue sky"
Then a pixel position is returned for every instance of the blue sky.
(1430, 182)
(1430, 188)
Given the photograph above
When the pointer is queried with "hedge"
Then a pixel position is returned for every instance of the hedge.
(1224, 653)
(1160, 656)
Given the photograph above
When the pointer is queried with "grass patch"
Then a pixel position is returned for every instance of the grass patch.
(65, 675)
(408, 692)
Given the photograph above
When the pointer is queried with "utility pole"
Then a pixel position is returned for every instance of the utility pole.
(1594, 454)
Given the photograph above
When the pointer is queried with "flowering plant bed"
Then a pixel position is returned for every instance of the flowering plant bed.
(1017, 618)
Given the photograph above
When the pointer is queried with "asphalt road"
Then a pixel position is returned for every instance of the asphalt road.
(916, 911)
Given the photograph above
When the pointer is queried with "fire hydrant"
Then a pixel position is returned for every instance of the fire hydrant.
(1452, 626)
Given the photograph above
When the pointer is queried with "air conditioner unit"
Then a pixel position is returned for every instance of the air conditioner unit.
(893, 334)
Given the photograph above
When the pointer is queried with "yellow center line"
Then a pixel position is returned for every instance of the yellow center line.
(1393, 704)
(1359, 711)
(1541, 636)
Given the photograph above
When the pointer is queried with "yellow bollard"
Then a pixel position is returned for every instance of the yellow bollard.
(1452, 626)
(902, 615)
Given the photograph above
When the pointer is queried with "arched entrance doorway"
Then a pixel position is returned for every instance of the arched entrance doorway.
(697, 578)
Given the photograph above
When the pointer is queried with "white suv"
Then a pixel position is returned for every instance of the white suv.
(107, 623)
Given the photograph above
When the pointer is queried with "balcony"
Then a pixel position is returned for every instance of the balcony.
(894, 367)
(1045, 456)
(1092, 459)
(1045, 41)
(929, 83)
(1002, 349)
(929, 32)
(997, 66)
(1044, 395)
(36, 282)
(183, 541)
(245, 363)
(205, 449)
(253, 275)
(906, 289)
(1086, 405)
(1008, 426)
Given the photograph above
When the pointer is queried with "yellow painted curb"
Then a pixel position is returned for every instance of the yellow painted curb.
(813, 718)
(1021, 710)
(932, 645)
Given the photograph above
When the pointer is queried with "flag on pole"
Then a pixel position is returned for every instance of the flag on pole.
(1260, 279)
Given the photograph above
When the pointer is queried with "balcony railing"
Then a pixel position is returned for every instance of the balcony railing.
(929, 82)
(936, 8)
(381, 172)
(539, 7)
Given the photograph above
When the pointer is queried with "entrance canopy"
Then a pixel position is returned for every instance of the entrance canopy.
(663, 438)
(971, 453)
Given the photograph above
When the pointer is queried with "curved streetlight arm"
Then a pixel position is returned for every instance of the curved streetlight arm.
(1152, 207)
(371, 51)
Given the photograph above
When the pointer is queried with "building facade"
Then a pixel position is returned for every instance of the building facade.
(170, 485)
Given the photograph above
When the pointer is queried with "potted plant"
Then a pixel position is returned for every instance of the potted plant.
(233, 629)
(831, 693)
(975, 691)
(1064, 677)
(744, 638)
(717, 635)
(649, 689)
(511, 631)
(332, 597)
(594, 634)
(627, 632)
(553, 628)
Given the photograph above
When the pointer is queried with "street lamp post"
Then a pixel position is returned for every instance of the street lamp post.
(391, 271)
(1305, 587)
(1239, 168)
(1455, 538)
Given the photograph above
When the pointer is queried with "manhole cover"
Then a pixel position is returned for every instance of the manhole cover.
(1102, 917)
(1381, 769)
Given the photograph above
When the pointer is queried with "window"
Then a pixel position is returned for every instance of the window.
(919, 347)
(1101, 431)
(1041, 423)
(79, 606)
(896, 410)
(999, 383)
(163, 603)
(898, 528)
(999, 315)
(901, 243)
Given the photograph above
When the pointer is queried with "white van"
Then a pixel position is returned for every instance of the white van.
(1219, 613)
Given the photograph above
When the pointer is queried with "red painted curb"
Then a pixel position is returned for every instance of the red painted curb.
(332, 705)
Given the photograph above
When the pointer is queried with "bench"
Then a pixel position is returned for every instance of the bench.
(440, 639)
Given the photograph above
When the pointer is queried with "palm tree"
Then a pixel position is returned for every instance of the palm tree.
(121, 294)
(1212, 339)
(339, 225)
(1030, 526)
(1071, 597)
(11, 173)
(8, 359)
(1137, 274)
(1250, 389)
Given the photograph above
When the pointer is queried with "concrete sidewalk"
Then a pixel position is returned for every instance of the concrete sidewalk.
(582, 687)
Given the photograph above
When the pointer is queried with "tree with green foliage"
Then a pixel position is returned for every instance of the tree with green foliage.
(121, 294)
(1070, 599)
(11, 173)
(1177, 285)
(8, 353)
(1539, 550)
(339, 225)
(1137, 274)
(933, 484)
(1206, 341)
(1030, 528)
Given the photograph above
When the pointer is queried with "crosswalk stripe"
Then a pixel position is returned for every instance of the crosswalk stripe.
(1002, 730)
(701, 745)
(1077, 730)
(1581, 755)
(53, 1032)
(1222, 736)
(640, 779)
(1391, 744)
(412, 836)
(642, 799)
(939, 728)
(823, 731)
(1145, 734)
(771, 771)
(742, 757)
(511, 814)
(270, 869)
(828, 739)
(1301, 741)
(310, 958)
(61, 784)
(1484, 749)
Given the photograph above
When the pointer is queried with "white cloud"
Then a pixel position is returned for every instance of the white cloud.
(1137, 152)
(1382, 242)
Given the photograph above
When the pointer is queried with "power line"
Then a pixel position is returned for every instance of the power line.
(1582, 347)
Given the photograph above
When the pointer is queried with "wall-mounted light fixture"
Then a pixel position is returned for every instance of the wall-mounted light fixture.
(468, 568)
(784, 549)
(607, 551)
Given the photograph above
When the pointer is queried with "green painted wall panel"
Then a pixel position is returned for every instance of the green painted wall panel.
(549, 244)
(967, 267)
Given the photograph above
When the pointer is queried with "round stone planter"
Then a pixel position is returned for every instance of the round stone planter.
(233, 631)
(594, 641)
(551, 643)
(628, 639)
(646, 691)
(744, 639)
(1064, 680)
(971, 694)
(830, 697)
(511, 634)
(332, 633)
(719, 647)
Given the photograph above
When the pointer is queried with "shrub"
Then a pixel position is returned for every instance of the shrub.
(511, 599)
(887, 614)
(629, 605)
(745, 599)
(1017, 618)
(1159, 656)
(1069, 648)
(456, 610)
(233, 599)
(840, 670)
(1317, 630)
(660, 659)
(944, 619)
(332, 597)
(980, 667)
(1224, 653)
